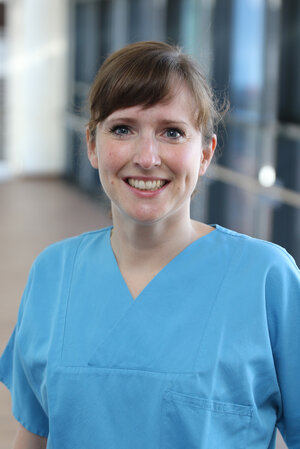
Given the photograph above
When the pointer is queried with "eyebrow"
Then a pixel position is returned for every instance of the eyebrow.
(120, 119)
(131, 120)
(174, 122)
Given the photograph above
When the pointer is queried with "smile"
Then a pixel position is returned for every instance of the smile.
(146, 185)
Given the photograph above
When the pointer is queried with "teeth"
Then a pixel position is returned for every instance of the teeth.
(148, 185)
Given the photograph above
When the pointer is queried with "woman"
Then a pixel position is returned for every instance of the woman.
(159, 332)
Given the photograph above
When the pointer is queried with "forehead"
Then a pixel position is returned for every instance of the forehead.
(179, 105)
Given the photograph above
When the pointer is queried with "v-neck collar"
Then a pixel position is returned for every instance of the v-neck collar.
(177, 301)
(121, 281)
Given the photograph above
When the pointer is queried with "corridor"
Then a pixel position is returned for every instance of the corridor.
(34, 214)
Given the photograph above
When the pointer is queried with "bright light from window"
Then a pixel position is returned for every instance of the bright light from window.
(267, 176)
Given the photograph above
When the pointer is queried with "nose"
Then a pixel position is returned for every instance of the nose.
(147, 153)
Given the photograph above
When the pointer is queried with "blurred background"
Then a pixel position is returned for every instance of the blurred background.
(50, 51)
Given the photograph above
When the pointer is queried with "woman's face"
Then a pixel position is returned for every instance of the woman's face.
(149, 160)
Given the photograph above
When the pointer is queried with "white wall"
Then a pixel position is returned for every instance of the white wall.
(37, 40)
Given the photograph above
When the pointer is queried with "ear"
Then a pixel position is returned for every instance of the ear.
(91, 149)
(207, 155)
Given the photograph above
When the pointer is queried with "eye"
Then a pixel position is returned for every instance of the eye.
(174, 133)
(120, 130)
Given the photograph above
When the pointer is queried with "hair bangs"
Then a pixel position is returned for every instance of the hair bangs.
(147, 73)
(138, 82)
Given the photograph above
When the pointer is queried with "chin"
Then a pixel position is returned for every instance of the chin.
(145, 217)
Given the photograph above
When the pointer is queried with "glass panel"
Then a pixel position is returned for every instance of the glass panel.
(143, 21)
(289, 104)
(232, 207)
(92, 45)
(88, 41)
(173, 10)
(72, 159)
(246, 82)
(2, 16)
(240, 148)
(288, 163)
(286, 228)
(79, 98)
(105, 27)
(182, 24)
(221, 38)
(78, 167)
(134, 18)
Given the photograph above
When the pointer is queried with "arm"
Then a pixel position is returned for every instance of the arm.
(283, 310)
(28, 440)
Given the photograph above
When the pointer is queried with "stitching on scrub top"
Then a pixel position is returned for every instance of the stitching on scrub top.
(209, 405)
(81, 239)
(69, 293)
(126, 371)
(261, 241)
(238, 248)
(279, 411)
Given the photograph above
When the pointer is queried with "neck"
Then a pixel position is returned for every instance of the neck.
(134, 242)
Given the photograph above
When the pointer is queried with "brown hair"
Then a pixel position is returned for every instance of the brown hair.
(143, 73)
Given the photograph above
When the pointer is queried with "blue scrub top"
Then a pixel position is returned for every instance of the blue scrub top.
(206, 357)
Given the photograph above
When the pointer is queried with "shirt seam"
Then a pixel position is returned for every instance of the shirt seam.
(82, 237)
(240, 249)
(235, 234)
(280, 411)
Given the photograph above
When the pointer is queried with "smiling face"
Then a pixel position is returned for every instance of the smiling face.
(150, 159)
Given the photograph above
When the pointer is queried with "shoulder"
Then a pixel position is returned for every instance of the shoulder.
(258, 253)
(63, 252)
(266, 269)
(51, 272)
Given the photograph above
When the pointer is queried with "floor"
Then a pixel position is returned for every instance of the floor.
(35, 213)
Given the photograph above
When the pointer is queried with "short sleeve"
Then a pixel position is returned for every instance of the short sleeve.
(283, 310)
(15, 373)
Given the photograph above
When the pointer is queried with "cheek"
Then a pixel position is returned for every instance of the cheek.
(110, 161)
(185, 163)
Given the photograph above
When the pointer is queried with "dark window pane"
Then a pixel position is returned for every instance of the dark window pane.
(78, 167)
(134, 20)
(289, 93)
(240, 147)
(88, 41)
(286, 228)
(173, 15)
(2, 15)
(72, 160)
(232, 207)
(92, 45)
(221, 36)
(105, 27)
(288, 163)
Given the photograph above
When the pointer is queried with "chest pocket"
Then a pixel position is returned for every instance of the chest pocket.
(190, 422)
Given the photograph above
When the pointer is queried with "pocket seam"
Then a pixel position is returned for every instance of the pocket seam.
(208, 404)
